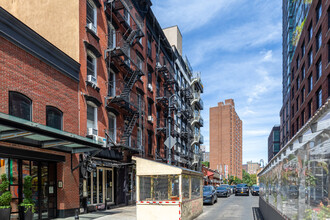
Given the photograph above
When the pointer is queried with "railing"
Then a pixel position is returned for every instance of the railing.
(127, 4)
(296, 182)
(133, 98)
(127, 54)
(201, 139)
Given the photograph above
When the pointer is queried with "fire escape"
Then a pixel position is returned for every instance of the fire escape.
(122, 58)
(162, 100)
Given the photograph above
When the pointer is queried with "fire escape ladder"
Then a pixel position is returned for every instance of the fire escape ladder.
(128, 87)
(129, 128)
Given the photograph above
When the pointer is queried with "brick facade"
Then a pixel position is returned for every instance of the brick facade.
(46, 86)
(226, 139)
(300, 106)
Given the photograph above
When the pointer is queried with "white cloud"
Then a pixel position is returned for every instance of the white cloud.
(188, 14)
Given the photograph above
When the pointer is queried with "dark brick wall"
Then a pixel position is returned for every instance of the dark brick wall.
(296, 71)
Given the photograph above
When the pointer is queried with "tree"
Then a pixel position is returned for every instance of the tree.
(206, 163)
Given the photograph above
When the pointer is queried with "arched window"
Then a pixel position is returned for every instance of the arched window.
(112, 126)
(54, 117)
(20, 106)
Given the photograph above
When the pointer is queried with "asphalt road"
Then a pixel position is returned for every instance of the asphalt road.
(233, 208)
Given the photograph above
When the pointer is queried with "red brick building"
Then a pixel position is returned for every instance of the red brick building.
(125, 95)
(309, 68)
(38, 119)
(226, 139)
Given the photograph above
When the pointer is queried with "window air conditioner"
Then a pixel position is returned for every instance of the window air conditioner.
(150, 87)
(91, 79)
(91, 26)
(91, 131)
(150, 119)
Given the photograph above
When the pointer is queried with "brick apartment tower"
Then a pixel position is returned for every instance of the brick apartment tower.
(226, 139)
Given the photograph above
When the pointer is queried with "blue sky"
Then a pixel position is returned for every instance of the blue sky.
(236, 44)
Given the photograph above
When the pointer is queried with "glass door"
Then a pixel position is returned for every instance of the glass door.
(109, 190)
(100, 186)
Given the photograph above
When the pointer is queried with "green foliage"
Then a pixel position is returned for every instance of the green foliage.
(27, 191)
(296, 37)
(5, 197)
(305, 1)
(250, 180)
(206, 163)
(231, 180)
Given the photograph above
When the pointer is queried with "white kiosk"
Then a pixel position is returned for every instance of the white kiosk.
(167, 192)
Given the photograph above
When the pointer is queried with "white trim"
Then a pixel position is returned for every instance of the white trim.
(92, 55)
(111, 115)
(94, 29)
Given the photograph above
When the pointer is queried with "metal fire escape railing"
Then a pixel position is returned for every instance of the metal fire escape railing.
(133, 105)
(121, 57)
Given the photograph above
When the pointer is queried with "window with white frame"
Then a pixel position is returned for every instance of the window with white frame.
(127, 17)
(112, 127)
(319, 98)
(112, 84)
(91, 67)
(92, 117)
(139, 138)
(91, 16)
(111, 36)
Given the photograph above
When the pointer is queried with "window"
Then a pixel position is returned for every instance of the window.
(318, 40)
(303, 50)
(149, 45)
(149, 77)
(328, 85)
(112, 85)
(127, 17)
(91, 66)
(297, 105)
(298, 83)
(298, 62)
(149, 108)
(329, 52)
(54, 117)
(139, 138)
(127, 59)
(292, 93)
(310, 31)
(112, 127)
(310, 83)
(318, 11)
(303, 72)
(149, 143)
(292, 111)
(319, 69)
(319, 98)
(328, 18)
(20, 106)
(302, 95)
(92, 117)
(310, 109)
(303, 118)
(111, 36)
(158, 145)
(310, 58)
(139, 62)
(91, 16)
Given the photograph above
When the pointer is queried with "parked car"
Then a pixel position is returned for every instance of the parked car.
(227, 186)
(242, 189)
(233, 189)
(255, 190)
(223, 191)
(209, 195)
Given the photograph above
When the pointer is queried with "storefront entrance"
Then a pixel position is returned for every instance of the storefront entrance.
(100, 187)
(43, 185)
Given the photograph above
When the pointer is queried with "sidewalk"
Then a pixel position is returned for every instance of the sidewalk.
(123, 213)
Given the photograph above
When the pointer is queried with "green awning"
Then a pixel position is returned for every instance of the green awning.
(21, 131)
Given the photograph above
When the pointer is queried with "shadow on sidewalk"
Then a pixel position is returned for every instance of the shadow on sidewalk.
(257, 213)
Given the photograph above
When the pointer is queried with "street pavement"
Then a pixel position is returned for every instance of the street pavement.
(233, 208)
